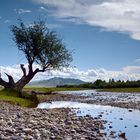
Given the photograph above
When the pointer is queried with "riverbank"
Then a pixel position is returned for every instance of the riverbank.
(121, 99)
(125, 90)
(27, 100)
(47, 124)
(20, 123)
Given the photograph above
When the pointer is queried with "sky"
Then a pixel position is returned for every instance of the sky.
(104, 36)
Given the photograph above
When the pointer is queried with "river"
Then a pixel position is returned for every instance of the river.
(119, 120)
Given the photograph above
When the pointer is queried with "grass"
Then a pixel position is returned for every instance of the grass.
(51, 89)
(12, 97)
(28, 100)
(130, 90)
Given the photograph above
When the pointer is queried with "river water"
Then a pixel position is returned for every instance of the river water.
(118, 119)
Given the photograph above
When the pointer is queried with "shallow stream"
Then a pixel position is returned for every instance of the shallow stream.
(118, 120)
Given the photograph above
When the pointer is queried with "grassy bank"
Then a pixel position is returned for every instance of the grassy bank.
(130, 90)
(44, 89)
(12, 97)
(28, 100)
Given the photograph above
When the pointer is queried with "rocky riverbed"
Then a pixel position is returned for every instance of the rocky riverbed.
(123, 100)
(18, 123)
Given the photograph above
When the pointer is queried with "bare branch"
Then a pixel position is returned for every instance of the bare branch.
(38, 70)
(11, 80)
(3, 83)
(45, 68)
(23, 69)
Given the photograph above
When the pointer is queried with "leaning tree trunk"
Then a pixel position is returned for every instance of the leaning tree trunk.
(25, 79)
(18, 86)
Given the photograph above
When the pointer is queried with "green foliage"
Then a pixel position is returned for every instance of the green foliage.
(41, 45)
(110, 84)
(130, 90)
(44, 89)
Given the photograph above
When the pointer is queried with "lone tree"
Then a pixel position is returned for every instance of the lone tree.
(40, 46)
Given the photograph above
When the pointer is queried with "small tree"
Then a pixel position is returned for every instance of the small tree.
(40, 46)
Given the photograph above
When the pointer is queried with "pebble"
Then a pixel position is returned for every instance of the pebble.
(48, 124)
(27, 130)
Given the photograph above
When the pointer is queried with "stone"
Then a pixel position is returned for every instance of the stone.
(135, 125)
(52, 137)
(10, 130)
(110, 126)
(130, 110)
(68, 138)
(10, 122)
(18, 115)
(73, 131)
(68, 122)
(30, 138)
(54, 130)
(122, 135)
(53, 124)
(27, 130)
(1, 136)
(121, 118)
(15, 138)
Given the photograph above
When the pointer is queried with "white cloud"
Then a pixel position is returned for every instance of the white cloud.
(42, 8)
(137, 60)
(21, 11)
(127, 73)
(132, 69)
(112, 15)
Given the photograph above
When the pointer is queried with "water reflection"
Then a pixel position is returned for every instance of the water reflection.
(118, 119)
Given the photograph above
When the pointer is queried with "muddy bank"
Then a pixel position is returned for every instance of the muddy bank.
(46, 124)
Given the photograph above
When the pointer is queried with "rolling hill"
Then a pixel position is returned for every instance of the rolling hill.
(53, 82)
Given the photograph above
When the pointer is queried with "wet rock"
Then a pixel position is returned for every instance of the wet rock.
(113, 134)
(122, 135)
(130, 110)
(110, 126)
(135, 125)
(121, 118)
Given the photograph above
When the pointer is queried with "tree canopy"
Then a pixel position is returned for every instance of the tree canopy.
(41, 46)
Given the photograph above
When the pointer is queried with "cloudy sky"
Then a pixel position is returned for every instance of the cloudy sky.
(104, 36)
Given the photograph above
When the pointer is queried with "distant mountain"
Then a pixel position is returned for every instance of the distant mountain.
(53, 82)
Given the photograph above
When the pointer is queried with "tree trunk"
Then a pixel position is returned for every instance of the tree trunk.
(25, 79)
(18, 86)
(22, 82)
